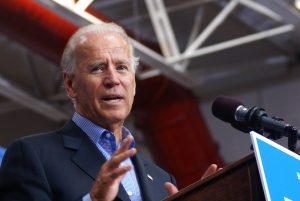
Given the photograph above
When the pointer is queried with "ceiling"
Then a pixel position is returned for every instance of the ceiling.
(239, 44)
(205, 45)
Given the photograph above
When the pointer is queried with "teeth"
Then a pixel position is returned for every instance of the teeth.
(113, 100)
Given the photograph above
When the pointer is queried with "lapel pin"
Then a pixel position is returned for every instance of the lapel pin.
(149, 176)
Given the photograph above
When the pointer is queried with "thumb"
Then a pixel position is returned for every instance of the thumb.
(171, 188)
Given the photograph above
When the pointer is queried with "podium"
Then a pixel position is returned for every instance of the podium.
(239, 181)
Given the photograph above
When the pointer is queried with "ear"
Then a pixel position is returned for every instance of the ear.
(69, 85)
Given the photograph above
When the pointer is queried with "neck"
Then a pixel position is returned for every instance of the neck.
(118, 133)
(114, 127)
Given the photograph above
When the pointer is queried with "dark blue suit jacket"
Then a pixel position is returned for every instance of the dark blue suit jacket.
(62, 165)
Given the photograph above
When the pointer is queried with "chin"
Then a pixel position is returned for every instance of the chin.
(115, 118)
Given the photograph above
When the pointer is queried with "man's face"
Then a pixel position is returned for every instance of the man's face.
(103, 85)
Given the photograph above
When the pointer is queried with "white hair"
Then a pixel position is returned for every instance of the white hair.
(68, 59)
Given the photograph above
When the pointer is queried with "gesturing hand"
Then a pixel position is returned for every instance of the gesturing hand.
(172, 189)
(107, 183)
(213, 168)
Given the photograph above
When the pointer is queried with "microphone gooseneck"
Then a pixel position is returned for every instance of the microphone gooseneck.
(255, 118)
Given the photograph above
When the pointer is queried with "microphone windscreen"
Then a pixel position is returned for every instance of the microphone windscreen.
(224, 108)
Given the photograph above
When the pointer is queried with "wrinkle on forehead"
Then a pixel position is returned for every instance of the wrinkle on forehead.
(112, 50)
(104, 50)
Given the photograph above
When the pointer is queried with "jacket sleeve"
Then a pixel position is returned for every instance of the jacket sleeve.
(22, 175)
(173, 180)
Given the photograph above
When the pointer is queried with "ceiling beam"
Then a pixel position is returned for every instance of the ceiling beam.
(286, 11)
(168, 65)
(162, 27)
(8, 90)
(147, 55)
(9, 106)
(218, 79)
(233, 43)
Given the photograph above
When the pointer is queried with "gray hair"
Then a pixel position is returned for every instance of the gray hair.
(68, 59)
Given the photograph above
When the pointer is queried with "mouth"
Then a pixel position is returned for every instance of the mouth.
(112, 98)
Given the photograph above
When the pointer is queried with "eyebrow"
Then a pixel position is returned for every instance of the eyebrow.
(104, 61)
(122, 61)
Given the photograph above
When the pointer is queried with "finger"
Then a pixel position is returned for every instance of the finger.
(210, 170)
(125, 144)
(123, 152)
(107, 183)
(108, 176)
(118, 158)
(120, 172)
(171, 189)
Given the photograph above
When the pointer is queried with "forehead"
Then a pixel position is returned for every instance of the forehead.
(109, 42)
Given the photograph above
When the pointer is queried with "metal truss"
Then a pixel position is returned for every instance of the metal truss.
(168, 42)
(173, 63)
(18, 98)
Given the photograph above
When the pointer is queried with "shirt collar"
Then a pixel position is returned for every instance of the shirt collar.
(94, 131)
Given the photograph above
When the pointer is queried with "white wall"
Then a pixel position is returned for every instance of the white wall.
(281, 99)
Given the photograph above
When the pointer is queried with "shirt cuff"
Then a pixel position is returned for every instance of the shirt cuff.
(87, 197)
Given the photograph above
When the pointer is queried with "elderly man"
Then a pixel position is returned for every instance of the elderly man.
(93, 156)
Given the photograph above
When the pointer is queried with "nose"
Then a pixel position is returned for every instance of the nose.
(111, 78)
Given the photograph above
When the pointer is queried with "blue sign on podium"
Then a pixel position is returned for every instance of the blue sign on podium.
(279, 169)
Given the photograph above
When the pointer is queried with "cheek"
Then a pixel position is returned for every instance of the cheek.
(86, 88)
(131, 87)
(134, 88)
(131, 93)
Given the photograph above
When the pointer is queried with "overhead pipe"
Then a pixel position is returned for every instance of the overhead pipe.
(36, 27)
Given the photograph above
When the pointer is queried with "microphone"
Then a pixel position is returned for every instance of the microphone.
(244, 119)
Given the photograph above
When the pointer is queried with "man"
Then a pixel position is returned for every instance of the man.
(93, 156)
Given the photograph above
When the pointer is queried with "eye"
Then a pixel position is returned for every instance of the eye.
(97, 68)
(122, 67)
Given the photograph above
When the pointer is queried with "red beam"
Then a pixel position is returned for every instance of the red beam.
(174, 128)
(36, 27)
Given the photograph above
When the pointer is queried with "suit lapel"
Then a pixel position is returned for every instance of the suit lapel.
(145, 184)
(87, 156)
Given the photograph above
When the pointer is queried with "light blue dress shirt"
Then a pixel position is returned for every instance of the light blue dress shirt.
(106, 143)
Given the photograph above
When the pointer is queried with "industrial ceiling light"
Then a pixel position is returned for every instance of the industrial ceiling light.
(297, 4)
(79, 8)
(75, 5)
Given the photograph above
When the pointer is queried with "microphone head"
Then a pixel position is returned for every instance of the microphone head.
(224, 108)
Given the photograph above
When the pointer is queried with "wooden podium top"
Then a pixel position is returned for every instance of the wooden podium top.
(238, 181)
